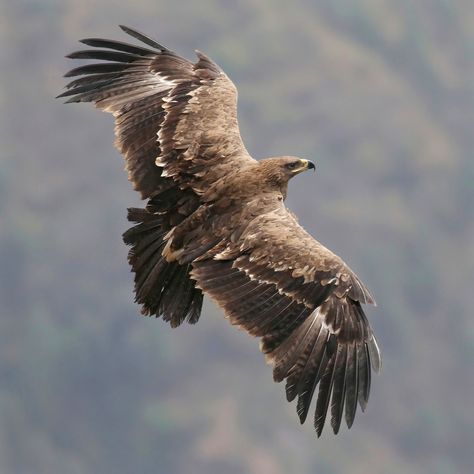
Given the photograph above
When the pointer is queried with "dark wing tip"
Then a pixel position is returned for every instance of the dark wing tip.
(344, 378)
(143, 38)
(72, 100)
(99, 68)
(339, 387)
(324, 395)
(105, 55)
(118, 46)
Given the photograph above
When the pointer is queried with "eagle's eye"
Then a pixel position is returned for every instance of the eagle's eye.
(293, 165)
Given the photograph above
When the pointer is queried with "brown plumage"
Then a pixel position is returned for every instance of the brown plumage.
(216, 223)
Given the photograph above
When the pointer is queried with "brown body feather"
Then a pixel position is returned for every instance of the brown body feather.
(216, 223)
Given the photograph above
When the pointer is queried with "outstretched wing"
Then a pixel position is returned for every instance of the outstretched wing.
(280, 284)
(175, 121)
(176, 125)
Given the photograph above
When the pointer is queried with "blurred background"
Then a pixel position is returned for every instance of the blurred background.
(379, 94)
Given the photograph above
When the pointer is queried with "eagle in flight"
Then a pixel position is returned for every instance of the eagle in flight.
(215, 223)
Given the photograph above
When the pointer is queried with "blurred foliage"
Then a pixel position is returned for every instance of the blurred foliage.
(379, 94)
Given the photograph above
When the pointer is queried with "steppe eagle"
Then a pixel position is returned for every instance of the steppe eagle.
(215, 223)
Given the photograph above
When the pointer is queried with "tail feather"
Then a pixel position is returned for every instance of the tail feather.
(162, 288)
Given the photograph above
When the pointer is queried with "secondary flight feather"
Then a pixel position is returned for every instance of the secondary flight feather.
(215, 223)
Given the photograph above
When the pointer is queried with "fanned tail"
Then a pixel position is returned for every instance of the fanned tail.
(162, 288)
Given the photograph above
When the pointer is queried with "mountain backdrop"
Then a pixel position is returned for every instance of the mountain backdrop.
(379, 93)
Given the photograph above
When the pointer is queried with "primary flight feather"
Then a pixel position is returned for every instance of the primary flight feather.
(215, 223)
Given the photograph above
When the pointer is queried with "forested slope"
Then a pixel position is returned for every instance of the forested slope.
(379, 95)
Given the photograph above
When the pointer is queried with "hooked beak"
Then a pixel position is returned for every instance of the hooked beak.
(309, 165)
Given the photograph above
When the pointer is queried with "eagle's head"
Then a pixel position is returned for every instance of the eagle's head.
(292, 165)
(277, 171)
